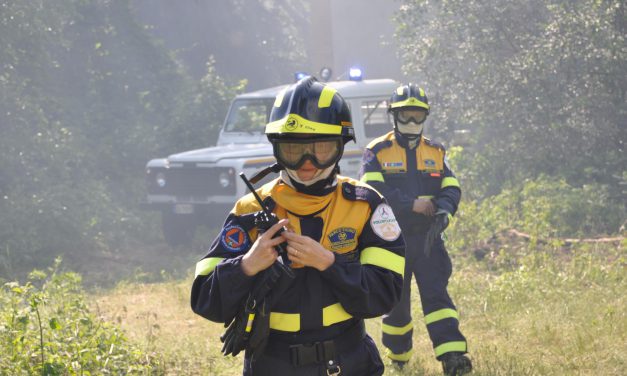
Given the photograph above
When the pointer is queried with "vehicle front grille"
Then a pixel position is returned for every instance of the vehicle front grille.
(194, 181)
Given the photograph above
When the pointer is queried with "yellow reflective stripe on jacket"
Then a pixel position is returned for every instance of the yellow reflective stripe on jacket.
(441, 315)
(286, 322)
(449, 182)
(396, 330)
(333, 314)
(290, 322)
(326, 96)
(372, 176)
(383, 258)
(279, 98)
(206, 266)
(457, 346)
(404, 357)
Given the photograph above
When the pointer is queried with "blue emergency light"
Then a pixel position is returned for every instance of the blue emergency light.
(300, 75)
(355, 74)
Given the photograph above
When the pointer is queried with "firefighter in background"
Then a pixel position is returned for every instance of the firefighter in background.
(344, 245)
(413, 175)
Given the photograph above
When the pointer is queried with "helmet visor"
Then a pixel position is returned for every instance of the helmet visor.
(322, 152)
(406, 116)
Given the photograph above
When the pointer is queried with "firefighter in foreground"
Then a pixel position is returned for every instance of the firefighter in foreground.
(344, 250)
(413, 175)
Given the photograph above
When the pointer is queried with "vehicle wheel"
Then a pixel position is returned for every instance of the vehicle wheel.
(178, 229)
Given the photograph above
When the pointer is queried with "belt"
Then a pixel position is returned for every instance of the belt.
(317, 352)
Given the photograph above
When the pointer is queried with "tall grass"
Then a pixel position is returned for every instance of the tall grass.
(544, 312)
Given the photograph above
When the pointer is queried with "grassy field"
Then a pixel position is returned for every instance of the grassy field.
(525, 309)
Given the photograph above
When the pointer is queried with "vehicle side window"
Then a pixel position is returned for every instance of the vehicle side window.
(376, 119)
(248, 116)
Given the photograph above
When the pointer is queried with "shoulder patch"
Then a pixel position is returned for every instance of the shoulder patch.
(234, 238)
(361, 193)
(384, 223)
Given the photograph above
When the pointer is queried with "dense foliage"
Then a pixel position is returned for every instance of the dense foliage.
(541, 86)
(46, 327)
(86, 97)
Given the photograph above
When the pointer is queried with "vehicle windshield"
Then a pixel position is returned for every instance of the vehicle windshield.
(249, 115)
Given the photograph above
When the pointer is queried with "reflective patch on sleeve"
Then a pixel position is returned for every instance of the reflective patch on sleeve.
(372, 176)
(234, 238)
(384, 223)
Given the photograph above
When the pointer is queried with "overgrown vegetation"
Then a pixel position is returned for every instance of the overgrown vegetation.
(527, 308)
(540, 87)
(47, 327)
(87, 97)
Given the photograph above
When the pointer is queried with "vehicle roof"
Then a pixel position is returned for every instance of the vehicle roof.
(348, 89)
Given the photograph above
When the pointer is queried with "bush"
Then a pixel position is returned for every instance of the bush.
(47, 328)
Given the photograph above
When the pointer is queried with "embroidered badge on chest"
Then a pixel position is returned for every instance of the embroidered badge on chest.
(343, 237)
(384, 223)
(234, 238)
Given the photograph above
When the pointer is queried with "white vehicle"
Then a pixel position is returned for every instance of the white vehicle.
(201, 186)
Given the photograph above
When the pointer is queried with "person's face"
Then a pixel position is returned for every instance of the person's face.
(307, 171)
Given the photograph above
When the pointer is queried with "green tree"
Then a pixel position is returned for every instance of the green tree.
(540, 85)
(86, 97)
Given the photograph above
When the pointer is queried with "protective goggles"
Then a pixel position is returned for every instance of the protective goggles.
(322, 152)
(413, 116)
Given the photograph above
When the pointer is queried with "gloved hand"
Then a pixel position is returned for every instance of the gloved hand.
(251, 326)
(236, 336)
(440, 222)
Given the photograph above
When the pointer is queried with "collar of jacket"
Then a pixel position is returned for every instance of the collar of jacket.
(404, 141)
(299, 203)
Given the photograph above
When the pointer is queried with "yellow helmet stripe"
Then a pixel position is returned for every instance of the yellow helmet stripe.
(297, 124)
(326, 96)
(411, 101)
(279, 98)
(422, 92)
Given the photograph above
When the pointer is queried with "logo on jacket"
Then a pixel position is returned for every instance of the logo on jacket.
(234, 238)
(392, 164)
(384, 223)
(429, 163)
(343, 237)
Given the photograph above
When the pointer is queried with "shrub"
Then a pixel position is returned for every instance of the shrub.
(47, 328)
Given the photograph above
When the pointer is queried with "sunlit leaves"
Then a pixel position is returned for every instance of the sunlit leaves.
(540, 85)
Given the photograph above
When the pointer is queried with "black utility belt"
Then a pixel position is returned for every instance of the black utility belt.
(317, 352)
